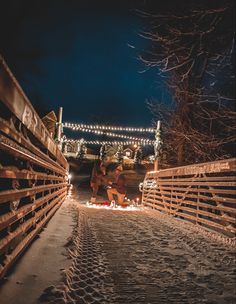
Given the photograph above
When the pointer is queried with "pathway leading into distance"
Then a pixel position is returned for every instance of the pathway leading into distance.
(121, 257)
(140, 257)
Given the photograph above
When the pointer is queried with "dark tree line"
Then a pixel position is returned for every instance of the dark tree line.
(193, 49)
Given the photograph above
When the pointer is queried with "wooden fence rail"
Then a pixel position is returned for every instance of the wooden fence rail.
(204, 194)
(33, 171)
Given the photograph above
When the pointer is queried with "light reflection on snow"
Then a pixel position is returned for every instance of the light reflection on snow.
(69, 193)
(111, 207)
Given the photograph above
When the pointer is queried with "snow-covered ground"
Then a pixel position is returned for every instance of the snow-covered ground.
(44, 261)
(141, 257)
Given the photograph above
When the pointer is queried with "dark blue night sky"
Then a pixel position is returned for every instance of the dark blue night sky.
(85, 59)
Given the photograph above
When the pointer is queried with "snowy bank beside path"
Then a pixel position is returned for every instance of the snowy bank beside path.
(44, 261)
(140, 257)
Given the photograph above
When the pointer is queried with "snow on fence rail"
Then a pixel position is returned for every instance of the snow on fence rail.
(32, 171)
(204, 194)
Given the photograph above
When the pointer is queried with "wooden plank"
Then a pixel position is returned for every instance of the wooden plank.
(29, 175)
(10, 195)
(198, 190)
(193, 218)
(185, 201)
(192, 210)
(10, 259)
(200, 196)
(224, 177)
(14, 149)
(6, 128)
(4, 243)
(11, 217)
(210, 167)
(198, 183)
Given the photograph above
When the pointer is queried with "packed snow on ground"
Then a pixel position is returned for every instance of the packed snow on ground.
(143, 257)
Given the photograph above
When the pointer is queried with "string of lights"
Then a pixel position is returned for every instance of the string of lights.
(105, 142)
(106, 128)
(98, 132)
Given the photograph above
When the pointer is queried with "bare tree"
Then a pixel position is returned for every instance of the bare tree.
(194, 50)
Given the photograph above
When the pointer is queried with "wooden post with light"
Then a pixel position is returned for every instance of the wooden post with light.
(157, 145)
(59, 128)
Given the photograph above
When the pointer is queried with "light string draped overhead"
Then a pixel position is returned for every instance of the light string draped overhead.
(98, 132)
(107, 128)
(104, 142)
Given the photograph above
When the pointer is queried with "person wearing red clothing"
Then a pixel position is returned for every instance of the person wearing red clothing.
(99, 171)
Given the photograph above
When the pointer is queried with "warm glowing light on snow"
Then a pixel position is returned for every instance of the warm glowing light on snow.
(112, 207)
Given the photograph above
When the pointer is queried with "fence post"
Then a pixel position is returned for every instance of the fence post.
(157, 146)
(59, 127)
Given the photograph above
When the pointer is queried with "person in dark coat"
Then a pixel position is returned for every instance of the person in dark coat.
(98, 173)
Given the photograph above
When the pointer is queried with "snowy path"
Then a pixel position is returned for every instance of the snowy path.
(121, 257)
(137, 257)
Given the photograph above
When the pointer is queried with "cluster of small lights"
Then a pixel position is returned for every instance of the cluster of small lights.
(97, 142)
(98, 132)
(104, 128)
(120, 208)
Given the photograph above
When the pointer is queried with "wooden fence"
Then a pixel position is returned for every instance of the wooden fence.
(204, 194)
(32, 171)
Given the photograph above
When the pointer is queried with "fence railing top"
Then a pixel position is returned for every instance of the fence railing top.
(226, 165)
(17, 102)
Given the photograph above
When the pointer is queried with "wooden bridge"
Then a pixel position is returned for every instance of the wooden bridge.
(33, 180)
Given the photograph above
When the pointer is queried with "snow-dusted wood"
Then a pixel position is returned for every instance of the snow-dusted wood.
(32, 171)
(202, 193)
